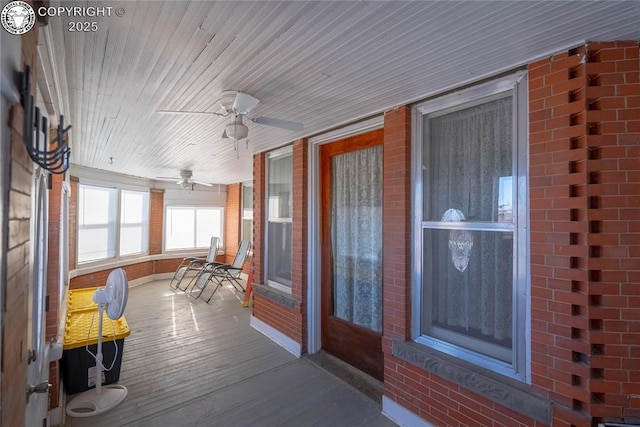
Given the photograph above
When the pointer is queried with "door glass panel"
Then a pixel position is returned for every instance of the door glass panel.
(356, 237)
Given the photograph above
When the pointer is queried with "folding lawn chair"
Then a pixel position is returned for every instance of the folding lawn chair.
(193, 264)
(220, 273)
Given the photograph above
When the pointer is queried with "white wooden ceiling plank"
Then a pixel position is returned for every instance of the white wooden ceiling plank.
(264, 25)
(374, 55)
(176, 57)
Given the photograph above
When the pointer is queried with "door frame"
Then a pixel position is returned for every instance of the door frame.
(314, 299)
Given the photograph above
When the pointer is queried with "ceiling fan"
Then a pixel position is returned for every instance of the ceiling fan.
(184, 181)
(236, 105)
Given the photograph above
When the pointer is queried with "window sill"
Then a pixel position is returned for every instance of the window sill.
(275, 295)
(504, 391)
(92, 267)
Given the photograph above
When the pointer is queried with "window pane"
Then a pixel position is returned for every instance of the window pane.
(208, 223)
(132, 240)
(469, 150)
(247, 200)
(96, 223)
(468, 278)
(180, 228)
(280, 185)
(91, 244)
(279, 250)
(133, 207)
(134, 221)
(94, 203)
(279, 211)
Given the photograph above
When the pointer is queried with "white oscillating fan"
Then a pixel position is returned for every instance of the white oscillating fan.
(112, 299)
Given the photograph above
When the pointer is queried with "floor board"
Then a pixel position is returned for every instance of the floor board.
(188, 363)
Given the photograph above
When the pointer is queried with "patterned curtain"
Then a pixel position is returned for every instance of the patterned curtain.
(356, 234)
(469, 274)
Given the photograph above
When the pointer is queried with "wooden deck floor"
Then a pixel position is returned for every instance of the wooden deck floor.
(188, 363)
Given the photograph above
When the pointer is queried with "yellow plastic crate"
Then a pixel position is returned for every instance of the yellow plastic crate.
(81, 299)
(82, 328)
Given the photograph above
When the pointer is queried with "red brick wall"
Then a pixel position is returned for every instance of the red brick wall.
(259, 188)
(396, 226)
(427, 395)
(584, 176)
(99, 278)
(299, 228)
(156, 218)
(14, 284)
(585, 229)
(73, 222)
(291, 322)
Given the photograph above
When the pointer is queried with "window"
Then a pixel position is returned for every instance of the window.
(189, 227)
(279, 211)
(134, 224)
(247, 213)
(104, 219)
(471, 238)
(97, 210)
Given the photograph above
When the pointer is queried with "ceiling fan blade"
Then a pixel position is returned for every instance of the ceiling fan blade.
(203, 113)
(278, 123)
(166, 178)
(244, 103)
(201, 183)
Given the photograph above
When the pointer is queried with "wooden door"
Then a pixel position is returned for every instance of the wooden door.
(351, 227)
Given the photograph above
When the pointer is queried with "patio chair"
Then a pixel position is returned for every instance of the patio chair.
(190, 264)
(219, 273)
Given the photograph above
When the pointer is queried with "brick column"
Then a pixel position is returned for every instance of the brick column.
(259, 209)
(584, 137)
(396, 270)
(73, 223)
(396, 226)
(299, 236)
(156, 219)
(232, 221)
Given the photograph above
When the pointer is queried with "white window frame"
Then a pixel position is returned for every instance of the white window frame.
(195, 231)
(118, 225)
(285, 151)
(520, 367)
(144, 224)
(243, 215)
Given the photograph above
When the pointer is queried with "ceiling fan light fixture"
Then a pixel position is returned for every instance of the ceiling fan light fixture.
(185, 185)
(236, 130)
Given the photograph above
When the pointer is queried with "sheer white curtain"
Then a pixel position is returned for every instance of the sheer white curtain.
(356, 232)
(468, 152)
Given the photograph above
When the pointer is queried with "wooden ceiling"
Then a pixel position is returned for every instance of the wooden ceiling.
(324, 64)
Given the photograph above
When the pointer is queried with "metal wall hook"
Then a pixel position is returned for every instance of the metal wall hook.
(55, 160)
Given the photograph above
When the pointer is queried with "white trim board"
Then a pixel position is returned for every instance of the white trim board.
(276, 336)
(401, 415)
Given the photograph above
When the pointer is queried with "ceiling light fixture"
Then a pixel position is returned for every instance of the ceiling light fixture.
(236, 129)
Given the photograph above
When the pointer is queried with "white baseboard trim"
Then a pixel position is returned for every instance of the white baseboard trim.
(401, 415)
(276, 336)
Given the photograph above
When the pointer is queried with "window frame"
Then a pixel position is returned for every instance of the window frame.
(117, 224)
(195, 209)
(520, 368)
(144, 224)
(243, 215)
(285, 151)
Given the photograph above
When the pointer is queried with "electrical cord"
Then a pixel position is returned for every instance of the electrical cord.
(95, 356)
